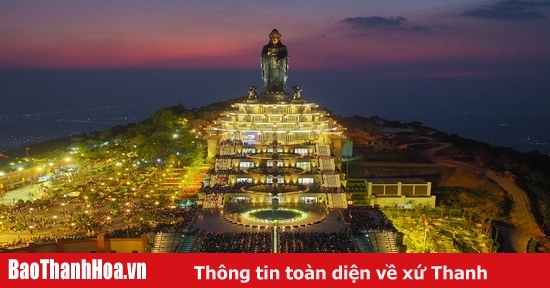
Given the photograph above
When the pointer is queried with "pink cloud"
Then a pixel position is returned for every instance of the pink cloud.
(122, 37)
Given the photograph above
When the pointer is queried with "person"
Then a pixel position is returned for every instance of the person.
(274, 63)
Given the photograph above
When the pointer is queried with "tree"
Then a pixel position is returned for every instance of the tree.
(83, 220)
(114, 208)
(93, 198)
(19, 226)
(165, 118)
(105, 136)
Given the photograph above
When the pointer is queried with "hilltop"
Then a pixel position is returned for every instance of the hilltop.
(466, 173)
(382, 148)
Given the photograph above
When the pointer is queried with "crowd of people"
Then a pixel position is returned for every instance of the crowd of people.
(361, 219)
(236, 242)
(178, 221)
(64, 225)
(213, 193)
(288, 242)
(216, 189)
(38, 239)
(175, 220)
(316, 242)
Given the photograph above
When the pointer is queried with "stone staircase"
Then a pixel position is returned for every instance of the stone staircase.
(166, 242)
(337, 200)
(364, 244)
(187, 243)
(382, 241)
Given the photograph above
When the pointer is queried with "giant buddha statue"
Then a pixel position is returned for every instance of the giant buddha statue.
(274, 63)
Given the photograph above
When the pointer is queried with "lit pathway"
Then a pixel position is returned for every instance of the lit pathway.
(522, 218)
(22, 193)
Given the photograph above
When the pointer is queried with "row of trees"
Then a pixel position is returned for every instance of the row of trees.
(168, 133)
(171, 133)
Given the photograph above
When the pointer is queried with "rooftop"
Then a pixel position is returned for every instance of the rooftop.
(396, 180)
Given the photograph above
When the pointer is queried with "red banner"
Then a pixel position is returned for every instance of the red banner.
(290, 270)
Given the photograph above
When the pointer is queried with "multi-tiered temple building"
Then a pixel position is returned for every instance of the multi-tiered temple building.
(276, 145)
(288, 142)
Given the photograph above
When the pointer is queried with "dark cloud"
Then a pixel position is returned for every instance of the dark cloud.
(377, 22)
(320, 36)
(509, 10)
(420, 28)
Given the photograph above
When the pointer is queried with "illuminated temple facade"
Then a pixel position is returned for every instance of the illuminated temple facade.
(293, 144)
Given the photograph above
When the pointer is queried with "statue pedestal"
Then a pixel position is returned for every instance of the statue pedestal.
(297, 101)
(249, 101)
(275, 96)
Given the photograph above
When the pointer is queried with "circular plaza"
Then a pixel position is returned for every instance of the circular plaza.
(265, 216)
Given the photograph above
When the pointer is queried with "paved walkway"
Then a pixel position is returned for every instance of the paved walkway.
(23, 193)
(54, 212)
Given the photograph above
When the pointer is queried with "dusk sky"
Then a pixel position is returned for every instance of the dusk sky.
(406, 60)
(473, 36)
